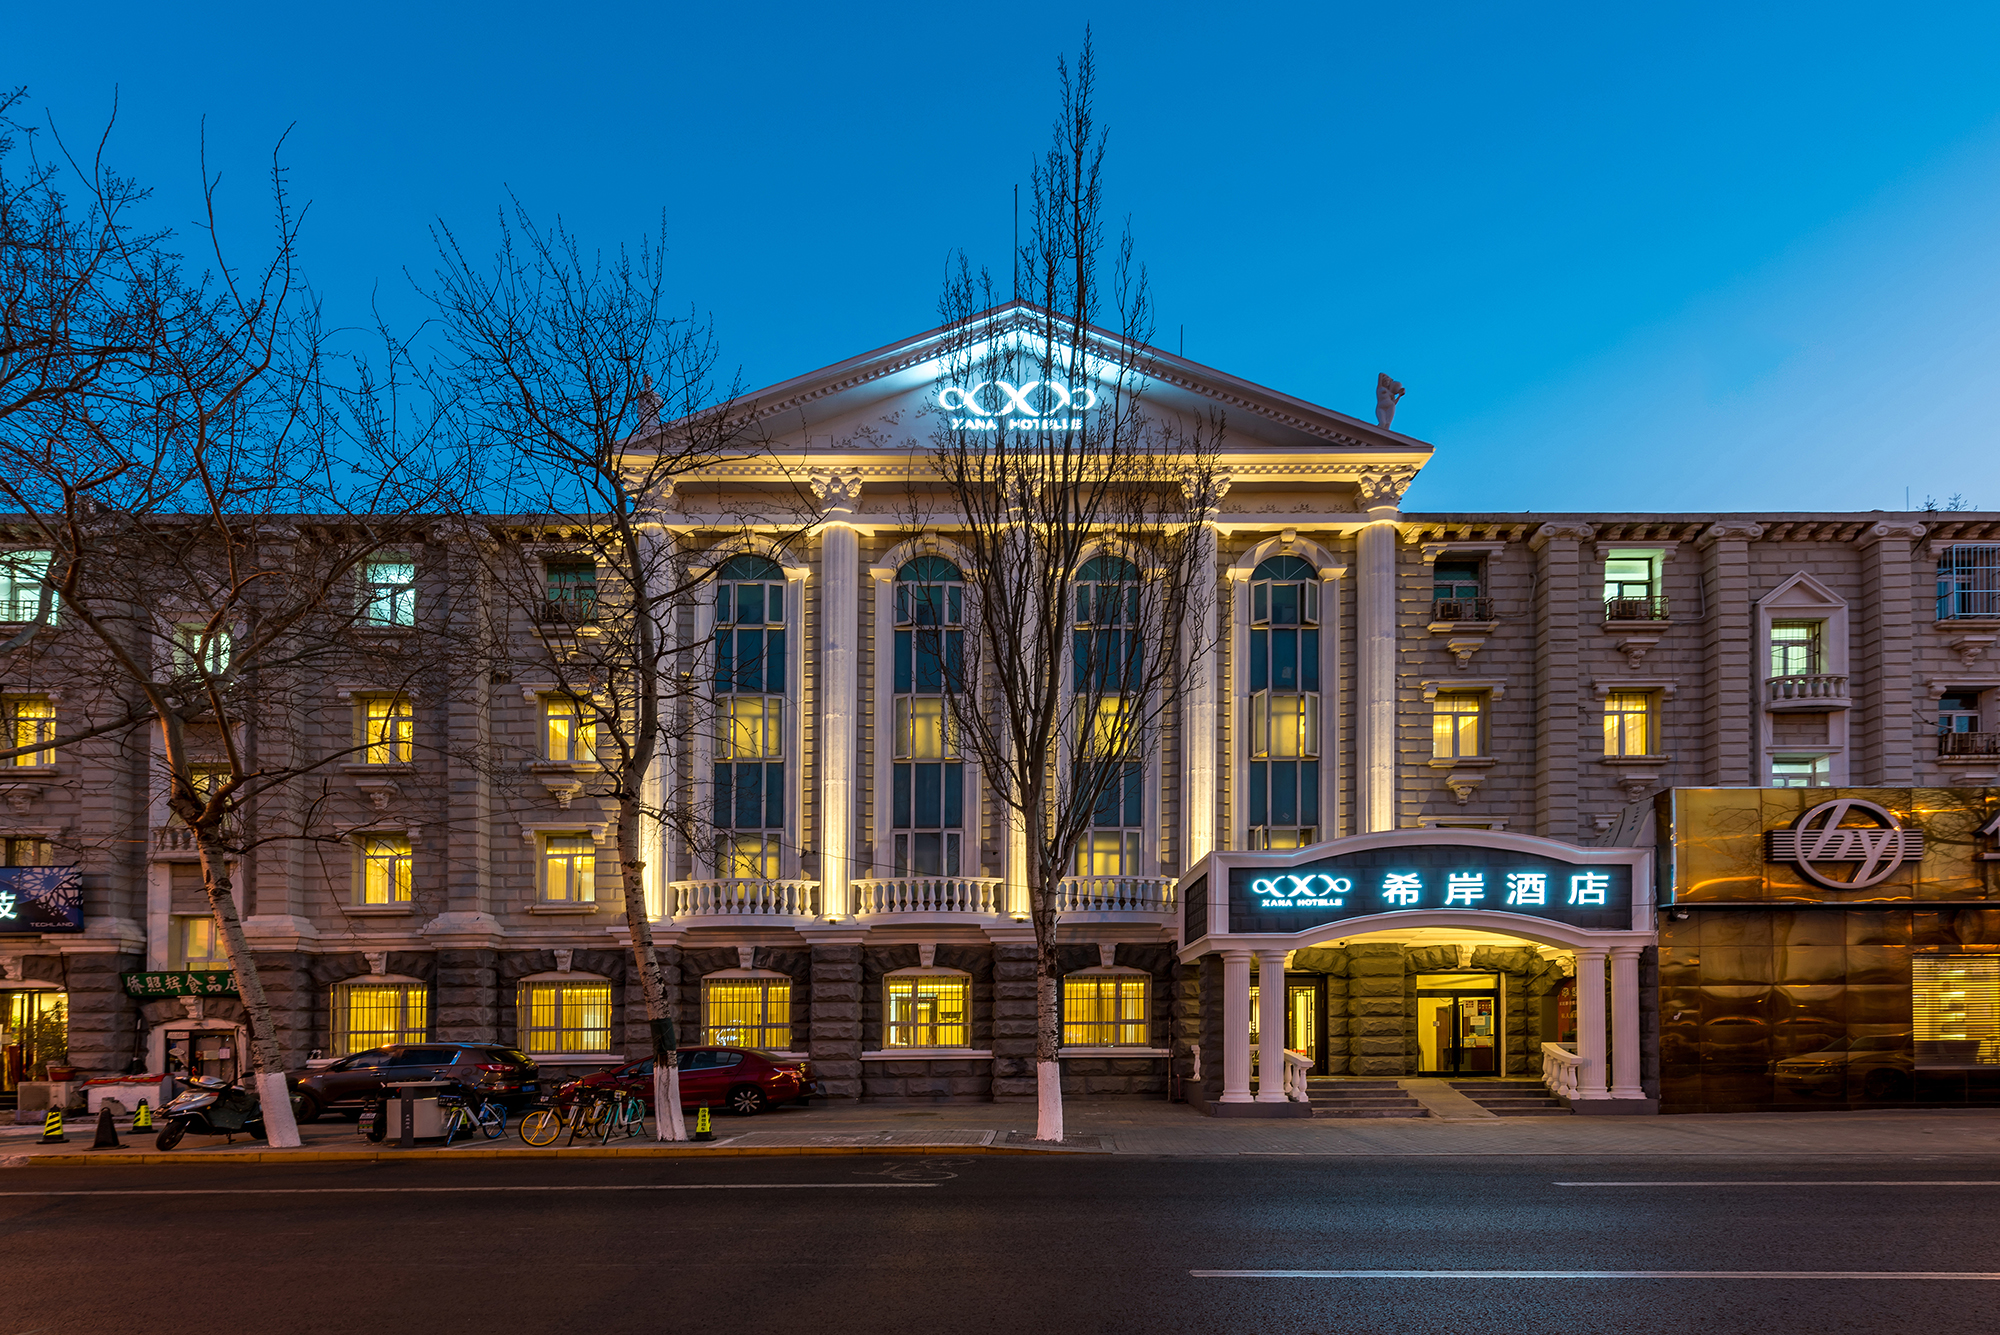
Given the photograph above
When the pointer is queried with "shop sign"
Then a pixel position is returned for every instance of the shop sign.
(1428, 876)
(1038, 405)
(41, 899)
(1845, 844)
(181, 983)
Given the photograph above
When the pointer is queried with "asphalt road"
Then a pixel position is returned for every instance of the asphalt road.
(947, 1244)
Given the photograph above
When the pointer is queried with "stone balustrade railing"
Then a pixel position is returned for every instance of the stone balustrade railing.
(1298, 1068)
(929, 894)
(1117, 894)
(1561, 1070)
(743, 899)
(1805, 686)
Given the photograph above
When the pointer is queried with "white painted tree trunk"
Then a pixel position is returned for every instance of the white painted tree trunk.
(281, 1129)
(668, 1124)
(1048, 1101)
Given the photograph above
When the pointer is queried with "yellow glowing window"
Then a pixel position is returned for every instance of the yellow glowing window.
(30, 852)
(371, 1015)
(747, 1012)
(750, 727)
(1111, 726)
(34, 722)
(926, 1010)
(1457, 724)
(388, 730)
(1104, 1010)
(1283, 726)
(564, 1017)
(569, 869)
(1628, 723)
(752, 856)
(196, 944)
(1955, 1001)
(385, 869)
(923, 728)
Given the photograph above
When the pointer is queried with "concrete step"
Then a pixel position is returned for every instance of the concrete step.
(1512, 1098)
(1414, 1110)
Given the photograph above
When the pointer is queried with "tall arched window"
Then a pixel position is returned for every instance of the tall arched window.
(749, 689)
(928, 781)
(1284, 704)
(1105, 668)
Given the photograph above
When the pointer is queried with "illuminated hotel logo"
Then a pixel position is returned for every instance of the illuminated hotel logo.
(1822, 836)
(1039, 405)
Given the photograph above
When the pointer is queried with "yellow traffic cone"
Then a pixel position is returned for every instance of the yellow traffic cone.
(52, 1129)
(702, 1130)
(143, 1119)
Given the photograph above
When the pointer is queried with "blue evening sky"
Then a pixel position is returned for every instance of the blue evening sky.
(1624, 256)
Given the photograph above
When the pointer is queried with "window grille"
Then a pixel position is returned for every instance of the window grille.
(373, 1015)
(1458, 725)
(33, 721)
(1628, 723)
(385, 869)
(749, 783)
(389, 592)
(1104, 1010)
(927, 781)
(564, 1017)
(747, 1012)
(926, 1010)
(388, 730)
(1284, 703)
(1968, 581)
(1955, 1005)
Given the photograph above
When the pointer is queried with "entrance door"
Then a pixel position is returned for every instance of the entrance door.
(1459, 1024)
(203, 1052)
(34, 1029)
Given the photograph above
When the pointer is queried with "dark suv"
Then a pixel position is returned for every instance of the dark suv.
(505, 1075)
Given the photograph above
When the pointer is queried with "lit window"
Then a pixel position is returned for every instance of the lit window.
(1956, 1006)
(30, 853)
(1801, 772)
(748, 777)
(389, 592)
(572, 591)
(31, 721)
(1632, 587)
(927, 1010)
(195, 943)
(385, 869)
(1104, 1010)
(1968, 581)
(23, 581)
(197, 649)
(747, 1012)
(1796, 649)
(569, 732)
(1458, 725)
(372, 1015)
(564, 1017)
(1284, 703)
(569, 869)
(387, 730)
(1628, 723)
(1113, 844)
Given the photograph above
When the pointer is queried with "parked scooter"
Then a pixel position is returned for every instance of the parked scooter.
(210, 1107)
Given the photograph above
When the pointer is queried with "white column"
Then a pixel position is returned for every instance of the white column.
(1271, 1026)
(838, 675)
(1590, 1034)
(1236, 1026)
(1625, 1023)
(1375, 671)
(1198, 714)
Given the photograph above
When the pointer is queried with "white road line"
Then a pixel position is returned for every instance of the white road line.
(1595, 1274)
(1913, 1182)
(443, 1191)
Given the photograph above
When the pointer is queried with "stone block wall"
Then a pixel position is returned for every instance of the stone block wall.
(1376, 1009)
(1013, 1020)
(836, 1019)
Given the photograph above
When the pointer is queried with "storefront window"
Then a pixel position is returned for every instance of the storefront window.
(564, 1017)
(1955, 1001)
(927, 1010)
(1105, 1009)
(34, 1034)
(373, 1014)
(747, 1012)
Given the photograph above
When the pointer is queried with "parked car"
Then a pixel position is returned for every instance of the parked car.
(1875, 1067)
(503, 1074)
(743, 1080)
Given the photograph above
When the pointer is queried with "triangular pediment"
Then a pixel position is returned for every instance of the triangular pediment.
(1801, 592)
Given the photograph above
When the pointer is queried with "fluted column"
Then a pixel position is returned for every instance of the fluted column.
(1236, 1026)
(1375, 651)
(1625, 1023)
(1271, 1026)
(839, 678)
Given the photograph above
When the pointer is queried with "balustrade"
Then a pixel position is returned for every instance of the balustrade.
(742, 899)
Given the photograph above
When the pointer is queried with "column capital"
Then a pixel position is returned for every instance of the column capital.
(1875, 533)
(1626, 951)
(839, 491)
(1556, 531)
(1730, 530)
(1237, 953)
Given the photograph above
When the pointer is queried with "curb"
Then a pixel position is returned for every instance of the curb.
(578, 1152)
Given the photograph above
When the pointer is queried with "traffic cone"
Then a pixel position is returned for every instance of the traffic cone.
(143, 1119)
(702, 1130)
(52, 1129)
(107, 1134)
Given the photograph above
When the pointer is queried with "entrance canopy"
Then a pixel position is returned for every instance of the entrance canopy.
(1517, 885)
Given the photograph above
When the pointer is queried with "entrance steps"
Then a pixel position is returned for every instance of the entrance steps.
(1334, 1096)
(1512, 1098)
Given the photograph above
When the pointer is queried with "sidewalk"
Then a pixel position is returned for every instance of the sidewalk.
(1143, 1129)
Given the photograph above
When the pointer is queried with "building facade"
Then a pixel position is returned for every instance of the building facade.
(1496, 705)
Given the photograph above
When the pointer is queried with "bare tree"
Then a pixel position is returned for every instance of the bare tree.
(593, 403)
(198, 510)
(1082, 509)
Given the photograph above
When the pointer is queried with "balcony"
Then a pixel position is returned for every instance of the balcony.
(980, 896)
(783, 901)
(564, 618)
(1150, 895)
(1462, 609)
(1968, 746)
(1635, 609)
(1807, 693)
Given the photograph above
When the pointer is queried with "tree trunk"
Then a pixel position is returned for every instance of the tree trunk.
(667, 1121)
(281, 1130)
(1048, 1009)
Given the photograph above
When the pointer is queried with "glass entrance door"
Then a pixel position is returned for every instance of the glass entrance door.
(1458, 1024)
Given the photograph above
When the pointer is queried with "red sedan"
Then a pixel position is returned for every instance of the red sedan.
(743, 1080)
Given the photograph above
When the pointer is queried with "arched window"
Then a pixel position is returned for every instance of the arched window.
(1284, 704)
(749, 687)
(928, 781)
(1106, 664)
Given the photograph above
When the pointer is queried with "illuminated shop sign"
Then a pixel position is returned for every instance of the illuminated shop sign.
(1038, 405)
(41, 899)
(1428, 876)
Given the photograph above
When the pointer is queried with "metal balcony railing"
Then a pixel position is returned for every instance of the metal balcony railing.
(575, 611)
(1462, 609)
(1635, 609)
(1804, 687)
(1968, 744)
(928, 894)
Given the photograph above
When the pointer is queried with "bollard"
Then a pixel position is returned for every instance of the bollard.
(702, 1130)
(52, 1129)
(143, 1119)
(107, 1134)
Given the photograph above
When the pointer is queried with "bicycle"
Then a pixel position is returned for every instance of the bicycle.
(627, 1113)
(575, 1108)
(466, 1110)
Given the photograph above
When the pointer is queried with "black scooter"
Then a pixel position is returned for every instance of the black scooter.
(210, 1107)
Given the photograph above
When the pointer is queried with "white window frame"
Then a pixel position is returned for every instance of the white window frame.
(12, 703)
(362, 859)
(545, 858)
(364, 706)
(400, 596)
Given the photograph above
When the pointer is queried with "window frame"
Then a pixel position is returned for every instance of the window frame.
(766, 1033)
(926, 772)
(18, 727)
(372, 849)
(407, 1029)
(582, 728)
(1976, 712)
(910, 1030)
(398, 743)
(1820, 775)
(178, 955)
(20, 595)
(1968, 588)
(527, 1035)
(1648, 714)
(1077, 1033)
(399, 595)
(1482, 706)
(580, 875)
(751, 852)
(1815, 645)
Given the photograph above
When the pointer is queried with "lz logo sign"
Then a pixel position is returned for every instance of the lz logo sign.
(1822, 842)
(1038, 405)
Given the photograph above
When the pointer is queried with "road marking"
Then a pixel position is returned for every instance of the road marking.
(438, 1191)
(1913, 1182)
(1595, 1274)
